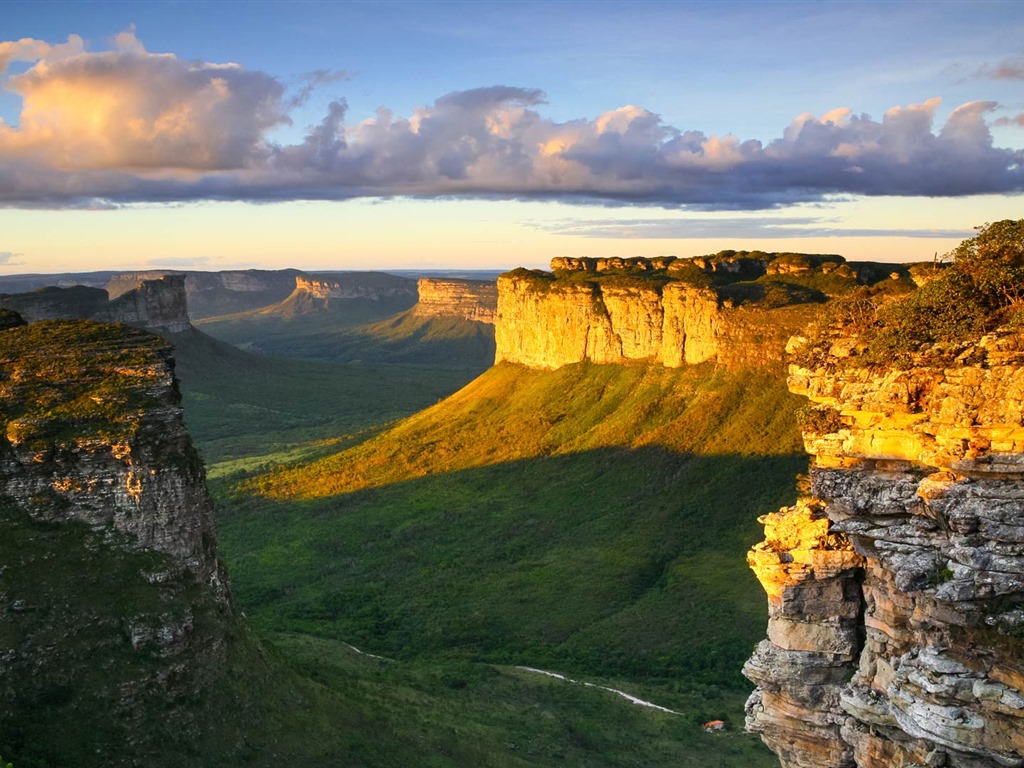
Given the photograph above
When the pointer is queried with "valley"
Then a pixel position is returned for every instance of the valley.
(425, 559)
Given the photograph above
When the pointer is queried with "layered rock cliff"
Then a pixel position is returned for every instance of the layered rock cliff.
(896, 595)
(160, 304)
(544, 321)
(475, 300)
(217, 293)
(114, 609)
(372, 286)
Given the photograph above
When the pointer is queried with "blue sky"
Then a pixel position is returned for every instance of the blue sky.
(620, 129)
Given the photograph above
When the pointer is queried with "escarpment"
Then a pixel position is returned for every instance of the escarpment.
(114, 609)
(372, 286)
(217, 293)
(159, 305)
(896, 595)
(733, 310)
(475, 300)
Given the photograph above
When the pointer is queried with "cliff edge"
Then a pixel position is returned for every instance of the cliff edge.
(896, 595)
(115, 613)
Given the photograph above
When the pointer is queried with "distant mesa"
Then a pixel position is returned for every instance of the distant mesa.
(467, 299)
(157, 305)
(217, 293)
(372, 286)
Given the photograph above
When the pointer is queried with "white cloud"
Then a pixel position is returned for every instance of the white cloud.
(126, 125)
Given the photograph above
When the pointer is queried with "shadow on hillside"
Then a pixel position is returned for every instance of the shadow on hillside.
(625, 562)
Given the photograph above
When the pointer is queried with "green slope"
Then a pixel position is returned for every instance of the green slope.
(246, 410)
(591, 520)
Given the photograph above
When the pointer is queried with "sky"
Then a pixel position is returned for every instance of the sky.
(425, 135)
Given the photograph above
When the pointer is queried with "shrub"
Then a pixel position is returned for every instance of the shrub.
(983, 289)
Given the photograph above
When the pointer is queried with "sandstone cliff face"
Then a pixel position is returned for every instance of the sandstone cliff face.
(94, 432)
(160, 305)
(897, 603)
(372, 286)
(469, 299)
(546, 323)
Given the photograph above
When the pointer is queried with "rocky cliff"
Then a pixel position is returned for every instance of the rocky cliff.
(546, 320)
(446, 297)
(896, 594)
(217, 293)
(160, 305)
(372, 286)
(114, 609)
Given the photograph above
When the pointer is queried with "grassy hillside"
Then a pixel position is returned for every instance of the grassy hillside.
(590, 520)
(357, 330)
(246, 410)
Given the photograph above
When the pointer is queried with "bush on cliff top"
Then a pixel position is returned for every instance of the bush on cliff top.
(983, 289)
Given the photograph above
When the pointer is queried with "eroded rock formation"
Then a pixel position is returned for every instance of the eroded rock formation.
(921, 472)
(446, 297)
(115, 613)
(372, 286)
(158, 305)
(544, 322)
(217, 293)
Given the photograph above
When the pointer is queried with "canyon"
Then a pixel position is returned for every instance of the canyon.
(895, 583)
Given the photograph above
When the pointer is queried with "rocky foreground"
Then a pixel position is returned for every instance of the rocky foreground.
(896, 594)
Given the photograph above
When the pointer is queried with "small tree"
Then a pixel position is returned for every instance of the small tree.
(983, 288)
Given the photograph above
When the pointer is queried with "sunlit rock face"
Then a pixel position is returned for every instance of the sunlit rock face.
(544, 322)
(469, 299)
(921, 472)
(373, 286)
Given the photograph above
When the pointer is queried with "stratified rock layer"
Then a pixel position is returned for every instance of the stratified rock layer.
(159, 304)
(445, 297)
(543, 322)
(921, 470)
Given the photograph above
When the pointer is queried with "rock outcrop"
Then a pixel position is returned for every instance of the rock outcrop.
(897, 596)
(94, 432)
(115, 612)
(546, 322)
(158, 305)
(370, 286)
(217, 293)
(475, 300)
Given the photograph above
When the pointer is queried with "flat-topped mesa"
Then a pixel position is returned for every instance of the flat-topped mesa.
(920, 468)
(548, 320)
(447, 297)
(158, 305)
(371, 286)
(217, 293)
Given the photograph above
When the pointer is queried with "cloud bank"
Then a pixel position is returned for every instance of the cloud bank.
(125, 125)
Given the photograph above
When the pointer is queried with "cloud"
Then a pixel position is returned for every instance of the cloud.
(125, 125)
(9, 257)
(310, 81)
(737, 228)
(1017, 120)
(178, 262)
(1009, 69)
(133, 112)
